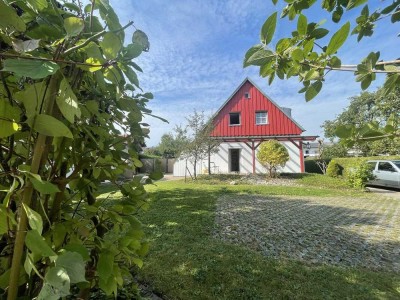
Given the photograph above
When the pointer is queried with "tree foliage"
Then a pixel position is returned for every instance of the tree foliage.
(272, 154)
(306, 55)
(171, 144)
(365, 111)
(68, 86)
(199, 142)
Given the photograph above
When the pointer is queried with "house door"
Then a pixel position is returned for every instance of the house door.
(234, 158)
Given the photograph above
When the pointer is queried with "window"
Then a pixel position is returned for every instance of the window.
(261, 117)
(372, 164)
(247, 95)
(234, 119)
(386, 166)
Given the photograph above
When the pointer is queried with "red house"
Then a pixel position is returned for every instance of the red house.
(243, 122)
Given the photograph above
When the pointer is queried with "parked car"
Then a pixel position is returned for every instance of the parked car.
(386, 173)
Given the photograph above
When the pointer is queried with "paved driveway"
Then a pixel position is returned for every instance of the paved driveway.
(391, 193)
(339, 231)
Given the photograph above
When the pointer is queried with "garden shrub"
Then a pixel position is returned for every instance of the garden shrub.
(359, 176)
(347, 163)
(334, 169)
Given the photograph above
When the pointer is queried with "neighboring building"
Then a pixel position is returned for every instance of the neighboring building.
(243, 122)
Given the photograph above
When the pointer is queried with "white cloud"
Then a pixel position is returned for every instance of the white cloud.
(196, 53)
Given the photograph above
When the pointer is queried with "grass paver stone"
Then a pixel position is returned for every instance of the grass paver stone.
(340, 231)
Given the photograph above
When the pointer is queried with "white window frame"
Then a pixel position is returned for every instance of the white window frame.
(261, 120)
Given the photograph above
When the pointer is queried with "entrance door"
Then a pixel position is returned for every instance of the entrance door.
(234, 158)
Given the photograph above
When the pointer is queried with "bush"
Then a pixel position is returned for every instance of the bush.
(348, 163)
(334, 169)
(359, 176)
(272, 154)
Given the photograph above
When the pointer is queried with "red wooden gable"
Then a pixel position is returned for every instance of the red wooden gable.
(279, 123)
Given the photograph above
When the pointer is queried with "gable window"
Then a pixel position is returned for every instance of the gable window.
(234, 118)
(261, 117)
(247, 95)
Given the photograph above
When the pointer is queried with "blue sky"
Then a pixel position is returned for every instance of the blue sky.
(197, 49)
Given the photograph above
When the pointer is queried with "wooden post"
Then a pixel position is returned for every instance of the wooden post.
(302, 169)
(253, 153)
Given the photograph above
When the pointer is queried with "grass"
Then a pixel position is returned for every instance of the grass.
(186, 262)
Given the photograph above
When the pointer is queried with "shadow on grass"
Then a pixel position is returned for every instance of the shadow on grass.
(186, 262)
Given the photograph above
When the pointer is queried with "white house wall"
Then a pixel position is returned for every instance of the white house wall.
(220, 161)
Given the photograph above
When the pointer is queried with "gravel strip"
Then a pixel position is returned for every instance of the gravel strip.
(338, 231)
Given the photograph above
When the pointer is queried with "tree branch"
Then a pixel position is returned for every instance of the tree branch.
(54, 60)
(93, 37)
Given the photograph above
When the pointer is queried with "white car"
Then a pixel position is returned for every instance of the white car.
(386, 172)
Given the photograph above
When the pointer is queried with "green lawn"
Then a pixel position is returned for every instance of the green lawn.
(188, 260)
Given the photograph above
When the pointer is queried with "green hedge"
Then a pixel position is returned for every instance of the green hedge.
(352, 162)
(310, 166)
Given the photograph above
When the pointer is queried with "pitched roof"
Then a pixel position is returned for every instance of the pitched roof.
(265, 95)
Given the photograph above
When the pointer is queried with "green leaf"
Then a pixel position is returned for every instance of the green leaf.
(156, 175)
(4, 227)
(34, 69)
(97, 65)
(249, 53)
(73, 26)
(395, 16)
(82, 250)
(355, 3)
(319, 33)
(25, 46)
(105, 265)
(9, 18)
(140, 38)
(67, 102)
(41, 186)
(37, 5)
(50, 126)
(302, 25)
(268, 29)
(344, 131)
(11, 191)
(31, 97)
(366, 82)
(313, 90)
(56, 284)
(131, 75)
(73, 263)
(297, 54)
(390, 83)
(92, 106)
(261, 57)
(335, 62)
(338, 39)
(111, 44)
(9, 116)
(132, 51)
(37, 244)
(35, 220)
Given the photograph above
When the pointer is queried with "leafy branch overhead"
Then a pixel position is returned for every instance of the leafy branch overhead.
(71, 111)
(306, 54)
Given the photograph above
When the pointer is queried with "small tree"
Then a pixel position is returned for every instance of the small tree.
(200, 144)
(272, 154)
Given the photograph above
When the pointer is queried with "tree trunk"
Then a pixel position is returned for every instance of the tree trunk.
(209, 161)
(194, 169)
